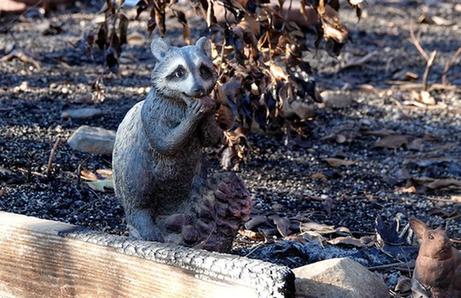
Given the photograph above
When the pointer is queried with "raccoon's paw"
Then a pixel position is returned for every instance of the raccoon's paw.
(148, 235)
(195, 110)
(208, 104)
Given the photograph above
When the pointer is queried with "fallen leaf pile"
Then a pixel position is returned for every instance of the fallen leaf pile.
(275, 226)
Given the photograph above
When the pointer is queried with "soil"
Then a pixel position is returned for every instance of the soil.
(287, 176)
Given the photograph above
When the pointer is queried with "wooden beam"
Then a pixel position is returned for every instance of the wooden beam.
(43, 258)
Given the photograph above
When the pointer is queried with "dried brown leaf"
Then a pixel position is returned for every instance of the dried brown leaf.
(379, 133)
(409, 189)
(423, 96)
(123, 28)
(346, 240)
(331, 25)
(403, 285)
(102, 181)
(336, 162)
(392, 141)
(255, 221)
(140, 7)
(101, 39)
(225, 117)
(21, 56)
(278, 71)
(313, 236)
(105, 173)
(88, 175)
(252, 235)
(282, 224)
(152, 22)
(319, 176)
(444, 183)
(316, 227)
(160, 19)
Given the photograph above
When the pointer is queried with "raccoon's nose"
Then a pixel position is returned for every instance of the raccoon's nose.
(198, 92)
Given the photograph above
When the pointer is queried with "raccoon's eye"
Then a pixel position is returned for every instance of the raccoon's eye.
(179, 72)
(205, 72)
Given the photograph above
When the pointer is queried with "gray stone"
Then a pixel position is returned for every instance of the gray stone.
(82, 113)
(339, 277)
(338, 100)
(93, 140)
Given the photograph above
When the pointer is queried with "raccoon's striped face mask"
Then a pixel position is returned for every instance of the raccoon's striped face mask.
(182, 72)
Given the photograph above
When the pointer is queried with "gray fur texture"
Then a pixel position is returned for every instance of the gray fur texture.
(157, 157)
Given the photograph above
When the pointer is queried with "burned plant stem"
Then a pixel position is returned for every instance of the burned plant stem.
(427, 71)
(417, 44)
(49, 167)
(429, 58)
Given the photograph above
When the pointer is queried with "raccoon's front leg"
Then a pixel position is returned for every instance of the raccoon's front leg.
(141, 225)
(166, 140)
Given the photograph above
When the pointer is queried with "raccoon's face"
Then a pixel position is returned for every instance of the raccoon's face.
(185, 72)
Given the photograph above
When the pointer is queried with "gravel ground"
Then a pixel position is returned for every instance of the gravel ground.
(287, 176)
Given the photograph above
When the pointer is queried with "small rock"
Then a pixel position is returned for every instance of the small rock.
(339, 277)
(24, 86)
(94, 140)
(337, 100)
(301, 109)
(82, 113)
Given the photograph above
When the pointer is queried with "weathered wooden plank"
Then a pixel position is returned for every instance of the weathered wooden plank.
(42, 258)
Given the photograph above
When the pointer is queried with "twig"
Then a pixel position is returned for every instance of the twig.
(15, 54)
(435, 200)
(427, 71)
(416, 43)
(429, 59)
(253, 249)
(79, 172)
(444, 200)
(51, 158)
(29, 173)
(448, 65)
(359, 61)
(405, 86)
(95, 194)
(386, 266)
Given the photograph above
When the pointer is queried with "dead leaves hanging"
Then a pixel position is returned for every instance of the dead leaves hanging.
(259, 46)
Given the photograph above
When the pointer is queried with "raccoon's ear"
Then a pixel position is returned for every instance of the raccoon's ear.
(202, 44)
(159, 48)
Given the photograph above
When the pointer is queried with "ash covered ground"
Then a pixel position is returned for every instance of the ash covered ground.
(291, 178)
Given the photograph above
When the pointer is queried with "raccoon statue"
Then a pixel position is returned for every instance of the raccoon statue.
(157, 157)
